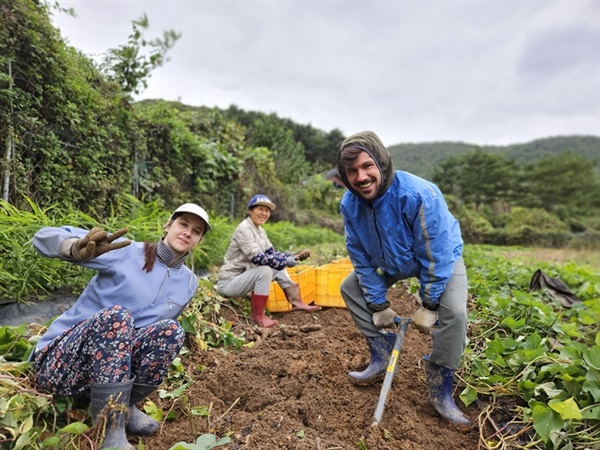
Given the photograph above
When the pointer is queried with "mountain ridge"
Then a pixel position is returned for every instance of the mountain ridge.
(421, 158)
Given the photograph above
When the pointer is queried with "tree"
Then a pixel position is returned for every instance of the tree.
(290, 163)
(568, 181)
(446, 176)
(478, 178)
(61, 112)
(129, 66)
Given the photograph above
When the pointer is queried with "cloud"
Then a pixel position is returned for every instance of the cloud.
(489, 72)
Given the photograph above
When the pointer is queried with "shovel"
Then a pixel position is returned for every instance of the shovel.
(391, 368)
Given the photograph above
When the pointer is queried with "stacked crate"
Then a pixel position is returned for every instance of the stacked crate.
(329, 277)
(320, 285)
(305, 277)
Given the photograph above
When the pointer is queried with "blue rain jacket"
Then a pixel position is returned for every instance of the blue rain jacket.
(407, 232)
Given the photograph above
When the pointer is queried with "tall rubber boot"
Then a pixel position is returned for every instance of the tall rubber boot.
(381, 349)
(439, 381)
(292, 293)
(140, 423)
(111, 401)
(257, 311)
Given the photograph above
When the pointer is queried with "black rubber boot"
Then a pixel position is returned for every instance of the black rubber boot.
(111, 401)
(440, 381)
(381, 349)
(140, 423)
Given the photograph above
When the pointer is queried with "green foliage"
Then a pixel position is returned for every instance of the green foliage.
(289, 238)
(128, 64)
(321, 196)
(214, 244)
(288, 154)
(202, 161)
(474, 226)
(14, 345)
(203, 322)
(59, 112)
(566, 182)
(478, 178)
(204, 442)
(423, 158)
(20, 404)
(524, 344)
(538, 219)
(564, 185)
(259, 176)
(22, 271)
(320, 147)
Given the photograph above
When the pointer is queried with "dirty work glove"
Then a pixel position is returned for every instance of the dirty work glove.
(290, 261)
(95, 243)
(302, 255)
(424, 320)
(385, 318)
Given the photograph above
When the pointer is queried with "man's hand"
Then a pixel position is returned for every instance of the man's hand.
(385, 318)
(302, 255)
(95, 243)
(424, 320)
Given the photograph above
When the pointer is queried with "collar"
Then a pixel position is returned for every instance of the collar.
(166, 256)
(252, 223)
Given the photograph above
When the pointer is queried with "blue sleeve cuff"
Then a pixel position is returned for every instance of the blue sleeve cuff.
(376, 307)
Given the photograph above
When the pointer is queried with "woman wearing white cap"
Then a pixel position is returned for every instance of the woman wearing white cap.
(117, 341)
(251, 264)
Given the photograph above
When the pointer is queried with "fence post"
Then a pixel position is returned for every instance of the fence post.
(10, 143)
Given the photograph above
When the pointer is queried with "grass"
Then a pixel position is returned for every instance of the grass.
(581, 257)
(24, 275)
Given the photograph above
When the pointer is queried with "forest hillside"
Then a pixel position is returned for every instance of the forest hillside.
(421, 158)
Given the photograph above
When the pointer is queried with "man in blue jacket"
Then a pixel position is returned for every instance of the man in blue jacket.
(398, 226)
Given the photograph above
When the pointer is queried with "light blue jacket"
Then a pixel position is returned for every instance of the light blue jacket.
(152, 296)
(407, 232)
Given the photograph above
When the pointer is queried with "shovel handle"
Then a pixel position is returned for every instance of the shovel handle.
(391, 368)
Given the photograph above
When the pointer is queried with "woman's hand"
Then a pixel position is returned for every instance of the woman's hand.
(97, 242)
(302, 255)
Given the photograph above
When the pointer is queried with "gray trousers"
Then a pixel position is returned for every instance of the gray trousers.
(257, 280)
(448, 338)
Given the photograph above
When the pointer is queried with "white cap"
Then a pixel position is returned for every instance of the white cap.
(192, 208)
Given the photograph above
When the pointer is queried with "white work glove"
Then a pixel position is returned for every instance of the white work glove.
(290, 261)
(424, 320)
(385, 318)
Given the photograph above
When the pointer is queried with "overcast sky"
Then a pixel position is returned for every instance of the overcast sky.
(482, 72)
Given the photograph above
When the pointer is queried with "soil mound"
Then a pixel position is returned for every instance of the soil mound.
(290, 391)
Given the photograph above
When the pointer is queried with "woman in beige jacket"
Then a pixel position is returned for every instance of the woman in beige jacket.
(252, 263)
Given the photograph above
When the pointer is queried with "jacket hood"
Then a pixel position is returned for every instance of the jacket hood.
(370, 143)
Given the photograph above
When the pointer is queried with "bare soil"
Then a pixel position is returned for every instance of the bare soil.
(290, 391)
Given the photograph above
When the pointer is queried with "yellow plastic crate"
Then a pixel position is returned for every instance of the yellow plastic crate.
(305, 277)
(342, 261)
(329, 278)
